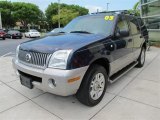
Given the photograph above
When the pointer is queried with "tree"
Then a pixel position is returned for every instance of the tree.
(26, 13)
(136, 9)
(43, 21)
(71, 11)
(6, 9)
(136, 6)
(66, 16)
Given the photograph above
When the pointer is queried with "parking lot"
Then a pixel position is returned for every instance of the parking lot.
(136, 96)
(9, 45)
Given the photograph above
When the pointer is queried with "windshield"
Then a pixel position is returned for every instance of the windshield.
(33, 31)
(56, 30)
(90, 24)
(14, 31)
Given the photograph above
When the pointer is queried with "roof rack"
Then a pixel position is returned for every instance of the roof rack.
(117, 11)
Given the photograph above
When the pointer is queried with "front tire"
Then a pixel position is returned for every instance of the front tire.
(142, 58)
(93, 86)
(4, 38)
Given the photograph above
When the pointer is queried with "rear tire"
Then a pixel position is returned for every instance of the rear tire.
(93, 86)
(4, 38)
(142, 58)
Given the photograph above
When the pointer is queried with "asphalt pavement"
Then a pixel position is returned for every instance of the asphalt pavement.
(8, 46)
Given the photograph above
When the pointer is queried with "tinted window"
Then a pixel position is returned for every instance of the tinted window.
(56, 30)
(153, 23)
(33, 31)
(12, 32)
(134, 25)
(151, 9)
(122, 24)
(143, 27)
(145, 1)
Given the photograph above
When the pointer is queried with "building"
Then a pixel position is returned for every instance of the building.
(150, 12)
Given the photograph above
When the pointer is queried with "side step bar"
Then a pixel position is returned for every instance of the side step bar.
(122, 72)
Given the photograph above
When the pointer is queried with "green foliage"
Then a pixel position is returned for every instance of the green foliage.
(66, 16)
(20, 12)
(6, 8)
(26, 13)
(68, 12)
(155, 43)
(135, 9)
(136, 6)
(135, 12)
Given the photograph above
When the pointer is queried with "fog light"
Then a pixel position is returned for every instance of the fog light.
(52, 83)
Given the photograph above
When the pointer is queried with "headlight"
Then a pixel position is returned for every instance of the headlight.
(17, 52)
(59, 59)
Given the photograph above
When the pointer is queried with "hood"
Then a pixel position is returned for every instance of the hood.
(50, 44)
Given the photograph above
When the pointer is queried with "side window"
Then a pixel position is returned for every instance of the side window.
(135, 28)
(122, 26)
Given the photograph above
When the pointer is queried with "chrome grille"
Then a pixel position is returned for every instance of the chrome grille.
(36, 59)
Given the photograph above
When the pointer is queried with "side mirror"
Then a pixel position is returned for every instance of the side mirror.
(124, 33)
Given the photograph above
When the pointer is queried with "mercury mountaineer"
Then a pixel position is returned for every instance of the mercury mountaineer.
(88, 54)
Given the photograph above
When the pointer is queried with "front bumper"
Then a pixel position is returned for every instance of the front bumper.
(61, 77)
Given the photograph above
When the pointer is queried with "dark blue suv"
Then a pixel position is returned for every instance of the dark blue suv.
(90, 52)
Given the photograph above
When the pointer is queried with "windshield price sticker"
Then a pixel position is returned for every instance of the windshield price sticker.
(109, 18)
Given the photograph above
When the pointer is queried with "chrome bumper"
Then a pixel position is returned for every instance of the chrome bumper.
(65, 81)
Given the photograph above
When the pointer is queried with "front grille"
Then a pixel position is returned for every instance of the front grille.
(34, 58)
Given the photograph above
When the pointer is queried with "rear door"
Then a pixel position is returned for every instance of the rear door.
(137, 36)
(123, 54)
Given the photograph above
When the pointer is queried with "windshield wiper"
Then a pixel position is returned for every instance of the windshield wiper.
(80, 32)
(62, 32)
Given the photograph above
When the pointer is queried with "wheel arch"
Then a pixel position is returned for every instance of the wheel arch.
(83, 90)
(103, 62)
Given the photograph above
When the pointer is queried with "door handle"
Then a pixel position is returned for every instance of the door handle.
(130, 40)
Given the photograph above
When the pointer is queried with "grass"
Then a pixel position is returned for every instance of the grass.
(155, 43)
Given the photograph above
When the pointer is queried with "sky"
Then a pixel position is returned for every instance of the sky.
(92, 5)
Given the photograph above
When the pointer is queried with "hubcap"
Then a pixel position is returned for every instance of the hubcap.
(97, 86)
(143, 57)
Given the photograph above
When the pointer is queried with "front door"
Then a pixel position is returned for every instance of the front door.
(123, 54)
(137, 37)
